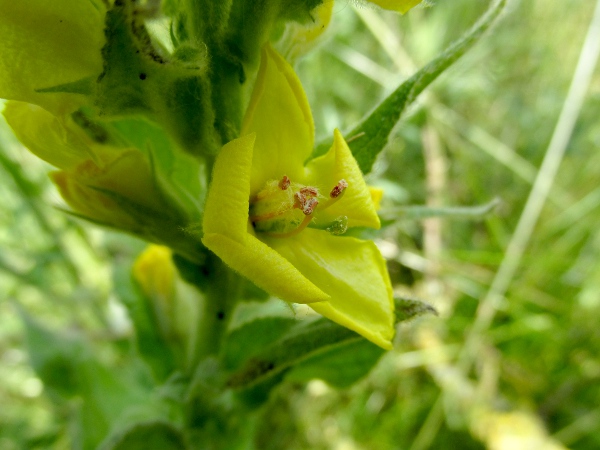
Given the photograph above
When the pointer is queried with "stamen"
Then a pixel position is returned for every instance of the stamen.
(336, 193)
(309, 206)
(299, 200)
(338, 189)
(306, 204)
(310, 191)
(284, 183)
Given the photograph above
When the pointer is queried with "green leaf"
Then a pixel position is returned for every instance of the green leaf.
(340, 366)
(247, 340)
(155, 435)
(83, 86)
(54, 357)
(345, 364)
(369, 138)
(302, 341)
(306, 342)
(161, 227)
(181, 176)
(68, 368)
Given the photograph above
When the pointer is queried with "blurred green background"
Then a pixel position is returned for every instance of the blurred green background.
(481, 132)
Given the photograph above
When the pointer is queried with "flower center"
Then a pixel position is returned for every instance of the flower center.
(285, 208)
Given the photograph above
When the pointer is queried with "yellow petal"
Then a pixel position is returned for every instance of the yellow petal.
(227, 203)
(48, 43)
(280, 115)
(51, 138)
(401, 6)
(155, 273)
(325, 172)
(264, 267)
(376, 196)
(91, 203)
(226, 229)
(128, 176)
(353, 273)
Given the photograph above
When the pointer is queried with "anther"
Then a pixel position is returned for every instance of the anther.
(284, 183)
(338, 189)
(300, 199)
(309, 206)
(310, 191)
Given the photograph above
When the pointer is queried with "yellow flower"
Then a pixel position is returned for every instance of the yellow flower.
(279, 221)
(121, 194)
(55, 139)
(102, 182)
(44, 44)
(155, 273)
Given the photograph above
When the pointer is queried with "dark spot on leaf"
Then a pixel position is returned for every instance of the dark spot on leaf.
(142, 76)
(254, 369)
(220, 315)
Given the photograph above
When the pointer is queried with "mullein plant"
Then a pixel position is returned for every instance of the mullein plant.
(201, 142)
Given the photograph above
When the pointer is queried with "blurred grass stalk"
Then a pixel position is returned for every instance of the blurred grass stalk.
(544, 182)
(474, 400)
(588, 57)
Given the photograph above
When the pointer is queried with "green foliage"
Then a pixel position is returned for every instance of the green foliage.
(341, 366)
(147, 436)
(152, 347)
(68, 367)
(246, 341)
(112, 380)
(370, 137)
(268, 347)
(138, 78)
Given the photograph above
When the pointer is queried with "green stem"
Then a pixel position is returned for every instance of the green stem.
(207, 22)
(227, 81)
(221, 296)
(221, 289)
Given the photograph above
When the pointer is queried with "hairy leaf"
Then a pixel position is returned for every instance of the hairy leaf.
(340, 366)
(312, 343)
(247, 340)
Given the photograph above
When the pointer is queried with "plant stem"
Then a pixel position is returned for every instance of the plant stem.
(207, 23)
(220, 297)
